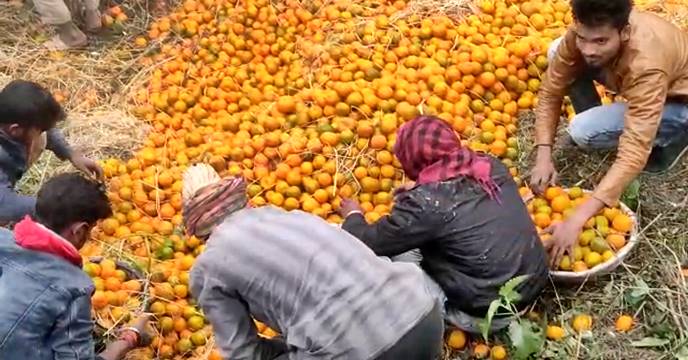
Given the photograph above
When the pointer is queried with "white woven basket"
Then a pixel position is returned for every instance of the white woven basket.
(605, 267)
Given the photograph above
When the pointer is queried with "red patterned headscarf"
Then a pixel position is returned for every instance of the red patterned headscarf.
(430, 151)
(211, 204)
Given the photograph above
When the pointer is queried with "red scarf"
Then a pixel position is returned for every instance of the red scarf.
(34, 236)
(430, 151)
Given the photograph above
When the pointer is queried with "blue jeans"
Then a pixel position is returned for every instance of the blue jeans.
(598, 127)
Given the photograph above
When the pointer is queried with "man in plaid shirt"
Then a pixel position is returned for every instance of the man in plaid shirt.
(327, 294)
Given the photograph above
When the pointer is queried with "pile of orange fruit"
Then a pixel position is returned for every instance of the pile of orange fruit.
(602, 237)
(116, 296)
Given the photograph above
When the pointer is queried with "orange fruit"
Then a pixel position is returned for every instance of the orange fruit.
(575, 192)
(616, 241)
(378, 142)
(179, 324)
(214, 355)
(196, 322)
(109, 226)
(579, 266)
(561, 203)
(622, 223)
(187, 261)
(542, 220)
(157, 308)
(173, 309)
(166, 351)
(93, 270)
(555, 333)
(481, 351)
(99, 300)
(553, 192)
(582, 322)
(624, 323)
(181, 291)
(456, 339)
(611, 213)
(131, 286)
(166, 324)
(120, 275)
(112, 284)
(498, 353)
(286, 104)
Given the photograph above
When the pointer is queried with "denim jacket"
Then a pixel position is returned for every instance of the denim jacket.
(46, 306)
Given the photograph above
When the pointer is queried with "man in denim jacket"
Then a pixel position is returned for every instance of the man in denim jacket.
(46, 297)
(28, 115)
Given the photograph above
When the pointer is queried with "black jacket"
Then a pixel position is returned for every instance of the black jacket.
(471, 245)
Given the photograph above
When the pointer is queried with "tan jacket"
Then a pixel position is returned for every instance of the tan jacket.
(652, 66)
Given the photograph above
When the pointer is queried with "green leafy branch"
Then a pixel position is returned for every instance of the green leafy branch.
(526, 337)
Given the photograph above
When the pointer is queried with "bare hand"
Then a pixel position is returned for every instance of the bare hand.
(139, 324)
(564, 237)
(349, 206)
(404, 187)
(544, 175)
(87, 165)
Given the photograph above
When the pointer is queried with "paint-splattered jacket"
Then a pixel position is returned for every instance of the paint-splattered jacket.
(471, 245)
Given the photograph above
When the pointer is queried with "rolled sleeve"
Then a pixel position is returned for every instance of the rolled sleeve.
(72, 336)
(58, 145)
(13, 206)
(560, 74)
(235, 332)
(646, 94)
(407, 227)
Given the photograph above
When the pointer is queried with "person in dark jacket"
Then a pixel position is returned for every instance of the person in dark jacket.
(28, 115)
(46, 297)
(464, 214)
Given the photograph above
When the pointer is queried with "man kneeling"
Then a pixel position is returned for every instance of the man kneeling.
(466, 217)
(327, 294)
(46, 297)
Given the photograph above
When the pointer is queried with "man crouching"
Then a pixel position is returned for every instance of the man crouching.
(327, 294)
(46, 297)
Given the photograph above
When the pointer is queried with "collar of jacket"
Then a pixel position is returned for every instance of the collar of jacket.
(33, 236)
(13, 157)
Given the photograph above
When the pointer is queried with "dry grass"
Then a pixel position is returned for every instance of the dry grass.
(674, 10)
(96, 84)
(455, 9)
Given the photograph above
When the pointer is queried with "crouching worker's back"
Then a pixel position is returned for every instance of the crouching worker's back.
(45, 296)
(326, 293)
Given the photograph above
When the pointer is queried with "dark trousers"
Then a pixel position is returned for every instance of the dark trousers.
(422, 342)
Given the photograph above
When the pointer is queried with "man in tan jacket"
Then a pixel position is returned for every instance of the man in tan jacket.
(645, 60)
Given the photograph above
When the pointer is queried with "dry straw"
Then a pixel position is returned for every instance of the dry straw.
(96, 85)
(455, 9)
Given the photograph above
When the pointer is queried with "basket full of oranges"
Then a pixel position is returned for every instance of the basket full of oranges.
(605, 241)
